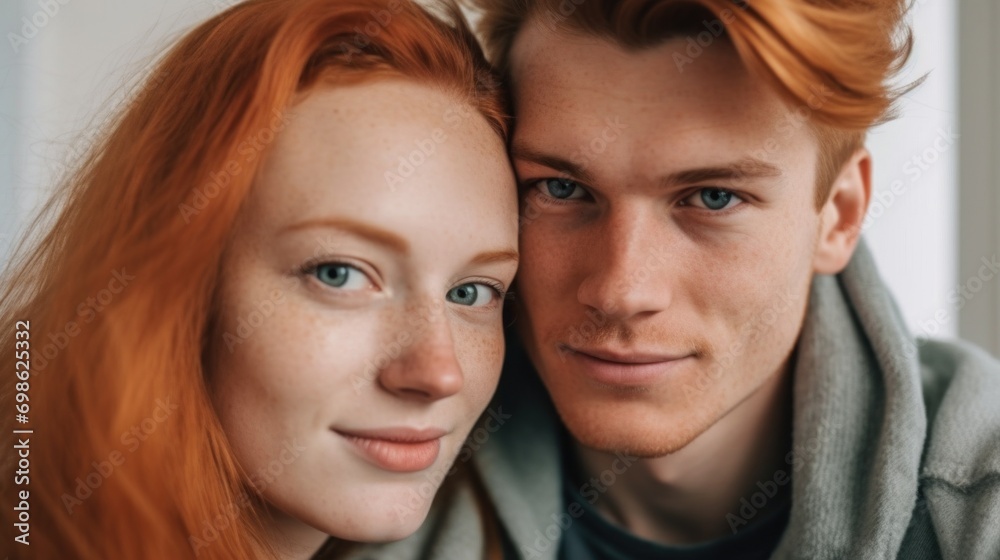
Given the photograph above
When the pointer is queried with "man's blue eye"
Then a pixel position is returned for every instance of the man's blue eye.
(715, 199)
(561, 188)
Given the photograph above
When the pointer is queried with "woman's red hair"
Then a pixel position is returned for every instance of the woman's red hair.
(119, 288)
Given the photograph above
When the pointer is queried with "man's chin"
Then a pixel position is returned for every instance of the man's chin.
(637, 438)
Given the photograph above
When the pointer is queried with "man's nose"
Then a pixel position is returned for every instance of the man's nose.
(626, 266)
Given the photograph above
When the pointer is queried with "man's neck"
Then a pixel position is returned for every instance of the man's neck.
(685, 497)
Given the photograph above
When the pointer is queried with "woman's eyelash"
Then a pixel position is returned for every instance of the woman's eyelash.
(311, 265)
(497, 286)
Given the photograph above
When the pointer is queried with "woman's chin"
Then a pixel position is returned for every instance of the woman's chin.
(380, 519)
(381, 527)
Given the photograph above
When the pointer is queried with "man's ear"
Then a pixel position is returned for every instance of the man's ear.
(843, 213)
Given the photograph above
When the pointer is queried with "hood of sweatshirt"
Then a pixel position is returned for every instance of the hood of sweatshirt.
(858, 435)
(895, 445)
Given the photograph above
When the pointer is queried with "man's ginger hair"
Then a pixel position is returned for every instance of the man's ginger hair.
(832, 60)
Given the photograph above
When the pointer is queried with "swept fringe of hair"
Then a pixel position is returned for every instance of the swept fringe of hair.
(849, 50)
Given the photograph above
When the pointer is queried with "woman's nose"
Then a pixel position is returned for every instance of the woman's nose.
(427, 369)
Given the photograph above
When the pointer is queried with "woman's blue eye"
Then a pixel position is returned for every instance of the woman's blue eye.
(563, 189)
(717, 199)
(472, 294)
(343, 276)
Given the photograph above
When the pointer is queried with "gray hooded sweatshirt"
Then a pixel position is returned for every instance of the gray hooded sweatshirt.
(896, 443)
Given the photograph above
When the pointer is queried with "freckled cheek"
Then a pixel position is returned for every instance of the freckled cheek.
(755, 305)
(480, 351)
(528, 271)
(299, 355)
(728, 293)
(546, 273)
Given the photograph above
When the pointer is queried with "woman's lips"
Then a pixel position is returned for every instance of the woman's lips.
(625, 368)
(396, 449)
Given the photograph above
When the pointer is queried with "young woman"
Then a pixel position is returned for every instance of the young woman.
(269, 309)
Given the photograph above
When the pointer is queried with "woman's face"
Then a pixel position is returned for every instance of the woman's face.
(361, 305)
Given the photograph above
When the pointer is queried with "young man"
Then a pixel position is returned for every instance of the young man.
(723, 374)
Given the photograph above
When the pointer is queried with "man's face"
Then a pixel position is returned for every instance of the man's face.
(668, 233)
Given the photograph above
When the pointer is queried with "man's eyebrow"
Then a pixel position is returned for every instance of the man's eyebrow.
(746, 168)
(366, 231)
(575, 170)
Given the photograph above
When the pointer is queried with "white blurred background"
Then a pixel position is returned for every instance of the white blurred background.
(929, 226)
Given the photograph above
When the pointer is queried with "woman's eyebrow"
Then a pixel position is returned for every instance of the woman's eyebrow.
(369, 232)
(496, 256)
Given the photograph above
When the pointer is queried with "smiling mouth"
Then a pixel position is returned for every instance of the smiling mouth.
(617, 368)
(399, 450)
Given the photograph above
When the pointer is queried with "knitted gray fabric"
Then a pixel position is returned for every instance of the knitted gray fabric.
(896, 444)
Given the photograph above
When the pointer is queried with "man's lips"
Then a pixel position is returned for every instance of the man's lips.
(619, 367)
(396, 449)
(627, 357)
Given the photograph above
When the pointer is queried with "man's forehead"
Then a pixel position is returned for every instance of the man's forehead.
(551, 77)
(547, 59)
(586, 104)
(576, 81)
